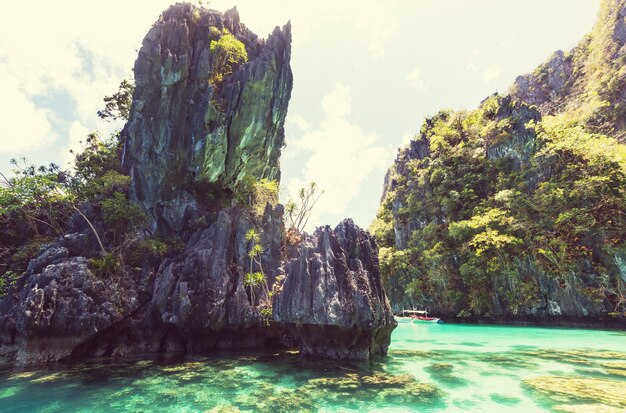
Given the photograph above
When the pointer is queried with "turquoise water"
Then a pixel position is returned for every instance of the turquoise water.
(430, 368)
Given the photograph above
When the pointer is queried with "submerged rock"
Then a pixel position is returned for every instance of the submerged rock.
(380, 388)
(332, 300)
(586, 408)
(608, 392)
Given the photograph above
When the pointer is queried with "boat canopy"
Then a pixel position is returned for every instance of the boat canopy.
(421, 312)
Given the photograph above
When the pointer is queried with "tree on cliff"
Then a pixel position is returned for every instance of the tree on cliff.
(227, 54)
(503, 201)
(37, 203)
(117, 106)
(297, 213)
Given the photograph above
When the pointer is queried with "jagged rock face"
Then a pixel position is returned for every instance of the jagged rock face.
(61, 305)
(588, 82)
(516, 147)
(518, 144)
(545, 92)
(195, 302)
(201, 293)
(331, 303)
(419, 272)
(184, 132)
(332, 298)
(418, 148)
(185, 138)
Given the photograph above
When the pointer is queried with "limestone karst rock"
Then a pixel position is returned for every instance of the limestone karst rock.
(332, 299)
(195, 132)
(187, 132)
(511, 159)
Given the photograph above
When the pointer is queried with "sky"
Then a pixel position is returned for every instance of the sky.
(366, 74)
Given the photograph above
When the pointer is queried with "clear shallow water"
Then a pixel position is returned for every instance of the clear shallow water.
(430, 368)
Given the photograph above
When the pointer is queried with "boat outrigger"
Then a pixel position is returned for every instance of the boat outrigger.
(417, 316)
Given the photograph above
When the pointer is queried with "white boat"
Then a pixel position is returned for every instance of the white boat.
(417, 316)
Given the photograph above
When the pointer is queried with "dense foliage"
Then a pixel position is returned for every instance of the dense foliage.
(38, 205)
(227, 54)
(117, 106)
(498, 203)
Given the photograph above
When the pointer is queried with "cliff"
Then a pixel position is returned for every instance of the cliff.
(332, 299)
(194, 125)
(587, 84)
(198, 259)
(515, 211)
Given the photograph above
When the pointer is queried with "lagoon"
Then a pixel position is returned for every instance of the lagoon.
(430, 368)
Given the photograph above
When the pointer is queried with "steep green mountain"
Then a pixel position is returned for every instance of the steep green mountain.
(517, 210)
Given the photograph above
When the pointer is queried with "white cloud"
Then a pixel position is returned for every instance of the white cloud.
(23, 126)
(338, 155)
(472, 67)
(336, 105)
(377, 19)
(486, 73)
(373, 18)
(77, 133)
(416, 80)
(491, 73)
(300, 122)
(68, 50)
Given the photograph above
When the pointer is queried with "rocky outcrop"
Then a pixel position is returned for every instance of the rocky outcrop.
(588, 82)
(60, 306)
(516, 141)
(192, 137)
(332, 300)
(201, 294)
(507, 173)
(547, 88)
(186, 133)
(513, 140)
(329, 298)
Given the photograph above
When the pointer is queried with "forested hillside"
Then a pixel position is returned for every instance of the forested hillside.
(517, 210)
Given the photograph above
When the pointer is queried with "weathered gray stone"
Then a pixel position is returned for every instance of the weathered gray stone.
(519, 144)
(63, 306)
(332, 300)
(183, 131)
(184, 140)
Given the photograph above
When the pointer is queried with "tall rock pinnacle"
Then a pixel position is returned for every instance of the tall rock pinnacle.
(194, 125)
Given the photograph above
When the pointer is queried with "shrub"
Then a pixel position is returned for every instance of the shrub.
(256, 194)
(107, 265)
(297, 213)
(120, 216)
(7, 281)
(228, 53)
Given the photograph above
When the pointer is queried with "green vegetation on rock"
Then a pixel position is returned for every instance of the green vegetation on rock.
(228, 54)
(518, 208)
(38, 204)
(501, 204)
